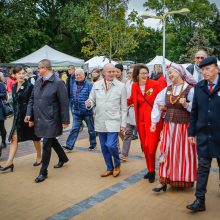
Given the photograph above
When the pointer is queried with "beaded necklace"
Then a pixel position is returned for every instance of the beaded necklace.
(178, 97)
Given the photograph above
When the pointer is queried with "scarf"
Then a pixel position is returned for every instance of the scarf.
(185, 74)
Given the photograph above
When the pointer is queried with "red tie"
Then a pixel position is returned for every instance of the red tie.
(42, 83)
(211, 87)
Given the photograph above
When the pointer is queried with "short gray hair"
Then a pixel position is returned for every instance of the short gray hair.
(46, 63)
(2, 75)
(79, 71)
(29, 70)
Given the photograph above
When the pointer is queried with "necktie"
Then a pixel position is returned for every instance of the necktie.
(43, 83)
(211, 87)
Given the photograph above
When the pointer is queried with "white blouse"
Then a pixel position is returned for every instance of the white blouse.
(142, 89)
(161, 99)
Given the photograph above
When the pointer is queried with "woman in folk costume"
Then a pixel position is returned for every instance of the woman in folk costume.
(143, 94)
(178, 160)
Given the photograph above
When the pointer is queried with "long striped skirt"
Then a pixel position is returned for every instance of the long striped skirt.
(178, 159)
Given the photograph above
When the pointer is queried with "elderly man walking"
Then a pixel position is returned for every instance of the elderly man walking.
(80, 93)
(109, 97)
(194, 68)
(49, 108)
(204, 126)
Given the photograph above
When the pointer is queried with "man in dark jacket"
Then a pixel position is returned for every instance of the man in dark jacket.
(69, 84)
(49, 107)
(194, 68)
(205, 126)
(80, 93)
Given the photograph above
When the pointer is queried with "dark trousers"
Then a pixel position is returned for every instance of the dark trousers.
(127, 139)
(77, 122)
(3, 131)
(49, 143)
(202, 177)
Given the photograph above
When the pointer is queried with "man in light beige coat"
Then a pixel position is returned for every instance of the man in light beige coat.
(109, 97)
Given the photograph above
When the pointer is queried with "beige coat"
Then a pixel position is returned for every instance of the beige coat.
(111, 106)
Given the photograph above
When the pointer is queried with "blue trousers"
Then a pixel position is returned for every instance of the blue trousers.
(77, 122)
(71, 105)
(108, 142)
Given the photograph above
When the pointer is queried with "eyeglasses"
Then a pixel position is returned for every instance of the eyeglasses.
(41, 67)
(202, 58)
(146, 74)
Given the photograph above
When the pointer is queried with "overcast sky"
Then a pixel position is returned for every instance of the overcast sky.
(137, 5)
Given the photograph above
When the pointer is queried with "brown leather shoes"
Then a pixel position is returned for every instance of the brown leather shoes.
(116, 171)
(107, 173)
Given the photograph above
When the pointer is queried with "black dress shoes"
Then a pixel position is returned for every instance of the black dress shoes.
(196, 206)
(158, 189)
(40, 178)
(60, 164)
(92, 147)
(150, 176)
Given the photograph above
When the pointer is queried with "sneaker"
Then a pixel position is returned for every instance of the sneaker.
(92, 147)
(134, 138)
(67, 150)
(123, 158)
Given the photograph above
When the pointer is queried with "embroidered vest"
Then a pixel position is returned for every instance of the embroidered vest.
(177, 113)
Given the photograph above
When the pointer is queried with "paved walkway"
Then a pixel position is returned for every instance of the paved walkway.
(77, 192)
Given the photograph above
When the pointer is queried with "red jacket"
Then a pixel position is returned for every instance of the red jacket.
(143, 106)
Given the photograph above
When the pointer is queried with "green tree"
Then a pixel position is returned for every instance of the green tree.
(149, 45)
(109, 33)
(18, 29)
(180, 28)
(197, 42)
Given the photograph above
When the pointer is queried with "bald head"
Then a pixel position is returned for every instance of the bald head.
(199, 56)
(109, 71)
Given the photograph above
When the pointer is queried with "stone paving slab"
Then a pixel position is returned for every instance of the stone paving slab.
(78, 184)
(21, 198)
(139, 202)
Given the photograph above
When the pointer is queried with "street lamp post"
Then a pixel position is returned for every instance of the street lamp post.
(163, 18)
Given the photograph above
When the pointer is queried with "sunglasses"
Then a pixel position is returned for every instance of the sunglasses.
(200, 58)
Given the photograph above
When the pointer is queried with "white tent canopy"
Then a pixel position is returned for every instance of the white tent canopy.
(158, 60)
(98, 62)
(56, 57)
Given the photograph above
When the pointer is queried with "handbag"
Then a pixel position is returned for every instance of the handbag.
(8, 110)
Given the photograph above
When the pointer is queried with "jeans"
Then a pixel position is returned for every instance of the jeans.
(77, 122)
(71, 105)
(108, 142)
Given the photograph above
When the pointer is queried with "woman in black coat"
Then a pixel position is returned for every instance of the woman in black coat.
(21, 131)
(3, 96)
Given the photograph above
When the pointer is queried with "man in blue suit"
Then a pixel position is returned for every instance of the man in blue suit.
(205, 126)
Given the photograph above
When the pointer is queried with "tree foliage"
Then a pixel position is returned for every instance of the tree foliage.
(102, 27)
(180, 28)
(109, 33)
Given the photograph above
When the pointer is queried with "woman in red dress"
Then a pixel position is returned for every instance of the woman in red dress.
(143, 94)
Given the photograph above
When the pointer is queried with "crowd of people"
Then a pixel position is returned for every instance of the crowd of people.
(180, 116)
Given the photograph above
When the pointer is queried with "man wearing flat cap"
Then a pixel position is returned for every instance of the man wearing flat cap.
(205, 126)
